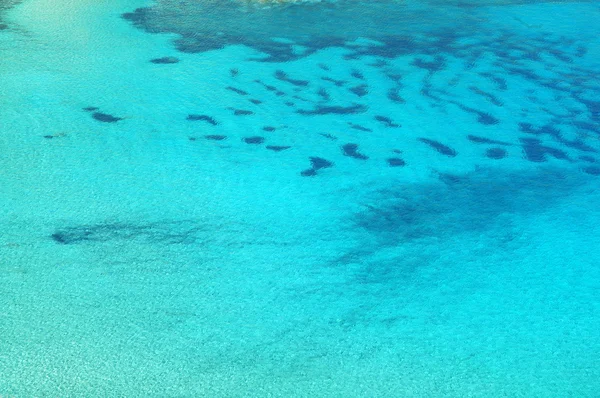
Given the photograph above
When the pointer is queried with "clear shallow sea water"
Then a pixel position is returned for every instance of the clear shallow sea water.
(351, 200)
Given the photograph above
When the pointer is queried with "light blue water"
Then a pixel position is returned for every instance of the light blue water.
(379, 199)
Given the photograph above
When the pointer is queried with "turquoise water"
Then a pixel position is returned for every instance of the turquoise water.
(379, 199)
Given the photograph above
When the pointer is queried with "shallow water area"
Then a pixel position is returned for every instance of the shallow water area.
(340, 199)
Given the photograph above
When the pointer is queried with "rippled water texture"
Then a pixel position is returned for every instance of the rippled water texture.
(334, 199)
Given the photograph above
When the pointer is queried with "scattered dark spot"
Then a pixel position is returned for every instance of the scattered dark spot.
(215, 137)
(329, 136)
(483, 140)
(204, 118)
(359, 127)
(490, 97)
(289, 103)
(338, 83)
(242, 112)
(339, 110)
(356, 74)
(255, 101)
(3, 26)
(395, 162)
(323, 94)
(105, 117)
(496, 153)
(441, 148)
(165, 60)
(320, 163)
(279, 93)
(90, 108)
(360, 90)
(281, 75)
(236, 90)
(317, 164)
(254, 140)
(386, 120)
(324, 67)
(309, 173)
(268, 128)
(277, 148)
(437, 64)
(49, 137)
(393, 95)
(486, 118)
(233, 72)
(352, 151)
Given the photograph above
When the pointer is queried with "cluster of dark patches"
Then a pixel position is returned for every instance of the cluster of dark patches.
(167, 233)
(513, 55)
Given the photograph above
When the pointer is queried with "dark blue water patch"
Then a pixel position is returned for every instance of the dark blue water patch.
(255, 101)
(337, 110)
(337, 83)
(588, 159)
(165, 60)
(215, 137)
(268, 87)
(317, 163)
(234, 72)
(359, 127)
(157, 233)
(289, 103)
(308, 173)
(281, 75)
(483, 140)
(439, 147)
(277, 148)
(593, 170)
(386, 121)
(242, 112)
(357, 74)
(269, 128)
(395, 162)
(203, 118)
(536, 152)
(105, 117)
(482, 117)
(555, 133)
(351, 150)
(361, 90)
(496, 153)
(236, 90)
(393, 95)
(323, 94)
(593, 108)
(488, 96)
(329, 136)
(460, 204)
(438, 63)
(255, 140)
(90, 108)
(500, 82)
